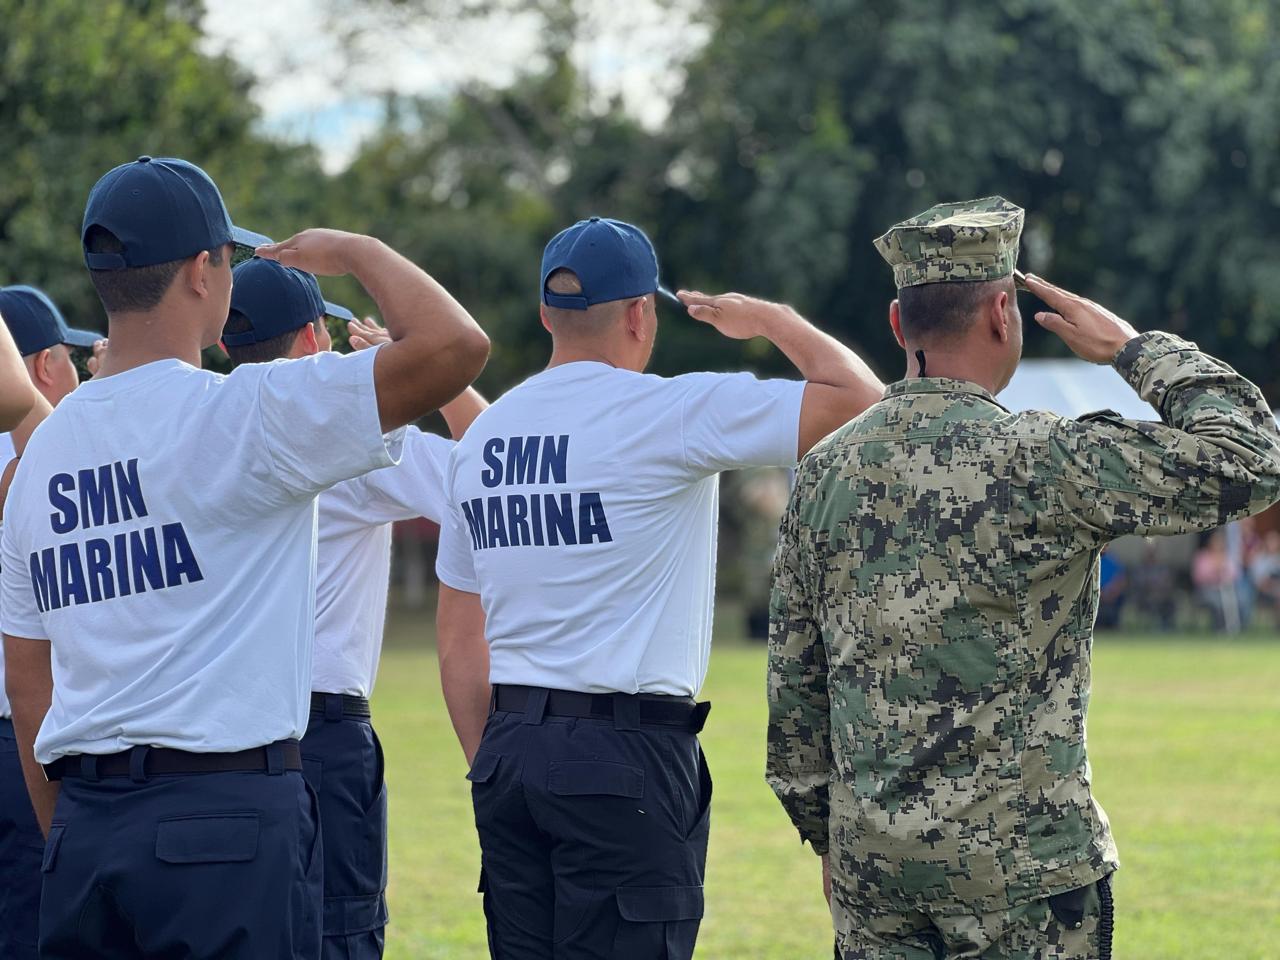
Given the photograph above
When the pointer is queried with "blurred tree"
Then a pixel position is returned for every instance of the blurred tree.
(1141, 135)
(84, 87)
(472, 187)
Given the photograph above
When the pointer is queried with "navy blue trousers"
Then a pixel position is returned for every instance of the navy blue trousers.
(21, 846)
(342, 760)
(223, 865)
(593, 838)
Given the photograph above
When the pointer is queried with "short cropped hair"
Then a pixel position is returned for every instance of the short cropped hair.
(133, 288)
(263, 352)
(566, 283)
(940, 311)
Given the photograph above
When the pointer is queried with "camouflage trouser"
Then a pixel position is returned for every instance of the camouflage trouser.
(1070, 926)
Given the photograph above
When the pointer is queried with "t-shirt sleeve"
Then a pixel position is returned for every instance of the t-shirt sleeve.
(412, 488)
(732, 420)
(455, 561)
(19, 615)
(319, 420)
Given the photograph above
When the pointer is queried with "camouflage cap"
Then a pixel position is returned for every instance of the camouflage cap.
(970, 240)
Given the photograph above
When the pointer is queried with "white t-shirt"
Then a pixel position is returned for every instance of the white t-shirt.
(161, 533)
(584, 510)
(6, 454)
(353, 559)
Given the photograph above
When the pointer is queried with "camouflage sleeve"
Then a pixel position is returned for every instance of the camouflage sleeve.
(1215, 457)
(799, 748)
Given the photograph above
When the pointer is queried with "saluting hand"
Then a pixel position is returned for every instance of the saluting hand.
(1092, 331)
(734, 314)
(326, 253)
(363, 334)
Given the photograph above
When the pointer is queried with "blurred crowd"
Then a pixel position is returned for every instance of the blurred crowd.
(1227, 580)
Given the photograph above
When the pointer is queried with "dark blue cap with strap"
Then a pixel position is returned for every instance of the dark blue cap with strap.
(160, 209)
(36, 324)
(611, 259)
(275, 299)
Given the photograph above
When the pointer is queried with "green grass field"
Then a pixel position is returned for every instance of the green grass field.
(1184, 737)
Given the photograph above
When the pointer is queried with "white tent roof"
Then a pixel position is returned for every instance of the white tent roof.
(1071, 388)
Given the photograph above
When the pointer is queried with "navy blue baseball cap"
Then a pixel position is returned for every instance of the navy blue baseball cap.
(161, 209)
(36, 324)
(612, 260)
(276, 299)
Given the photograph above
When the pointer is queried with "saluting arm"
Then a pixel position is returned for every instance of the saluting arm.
(798, 765)
(21, 434)
(459, 413)
(28, 678)
(17, 395)
(1215, 457)
(840, 385)
(464, 664)
(436, 349)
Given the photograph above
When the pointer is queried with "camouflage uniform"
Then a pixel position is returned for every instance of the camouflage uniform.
(931, 625)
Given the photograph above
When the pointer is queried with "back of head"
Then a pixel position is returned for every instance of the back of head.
(271, 305)
(36, 323)
(591, 322)
(256, 351)
(143, 220)
(942, 314)
(44, 340)
(592, 274)
(953, 265)
(133, 289)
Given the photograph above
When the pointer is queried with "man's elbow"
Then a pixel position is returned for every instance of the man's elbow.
(14, 407)
(463, 359)
(474, 352)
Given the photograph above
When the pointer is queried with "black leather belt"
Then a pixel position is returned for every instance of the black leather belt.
(651, 708)
(338, 705)
(142, 762)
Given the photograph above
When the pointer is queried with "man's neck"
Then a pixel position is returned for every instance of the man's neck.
(562, 353)
(951, 366)
(137, 339)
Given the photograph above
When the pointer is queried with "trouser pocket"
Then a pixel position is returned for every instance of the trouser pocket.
(51, 846)
(657, 923)
(208, 838)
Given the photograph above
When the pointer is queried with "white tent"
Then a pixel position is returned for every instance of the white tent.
(1071, 388)
(1074, 387)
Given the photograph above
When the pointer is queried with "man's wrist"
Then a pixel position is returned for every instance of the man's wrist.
(359, 248)
(778, 319)
(1117, 348)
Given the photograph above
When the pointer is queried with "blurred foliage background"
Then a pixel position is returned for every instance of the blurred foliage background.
(1142, 136)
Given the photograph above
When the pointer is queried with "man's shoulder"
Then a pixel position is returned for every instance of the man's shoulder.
(920, 416)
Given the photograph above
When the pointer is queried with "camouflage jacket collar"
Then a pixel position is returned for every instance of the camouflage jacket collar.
(913, 385)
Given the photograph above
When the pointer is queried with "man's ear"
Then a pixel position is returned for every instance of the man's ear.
(307, 343)
(636, 325)
(195, 274)
(40, 366)
(999, 316)
(542, 314)
(895, 322)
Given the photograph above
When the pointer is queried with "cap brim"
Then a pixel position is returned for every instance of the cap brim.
(81, 338)
(247, 238)
(340, 313)
(663, 291)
